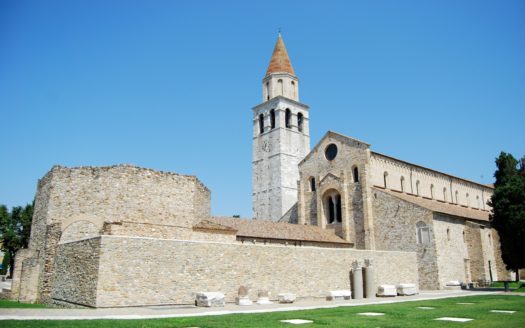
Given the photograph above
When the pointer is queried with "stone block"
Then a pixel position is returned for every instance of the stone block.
(287, 298)
(209, 299)
(386, 290)
(243, 300)
(263, 297)
(338, 295)
(406, 289)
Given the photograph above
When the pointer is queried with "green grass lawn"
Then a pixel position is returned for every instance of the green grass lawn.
(404, 315)
(14, 304)
(512, 284)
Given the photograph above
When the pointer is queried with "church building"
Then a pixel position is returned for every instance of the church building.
(129, 236)
(369, 199)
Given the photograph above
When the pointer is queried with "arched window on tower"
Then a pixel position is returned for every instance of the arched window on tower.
(272, 119)
(355, 173)
(467, 199)
(312, 184)
(448, 234)
(417, 188)
(432, 191)
(281, 87)
(478, 202)
(288, 118)
(422, 233)
(294, 92)
(402, 183)
(267, 90)
(261, 123)
(445, 194)
(385, 176)
(457, 197)
(300, 120)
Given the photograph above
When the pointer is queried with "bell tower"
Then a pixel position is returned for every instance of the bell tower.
(281, 139)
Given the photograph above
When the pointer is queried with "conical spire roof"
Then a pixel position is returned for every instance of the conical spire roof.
(280, 61)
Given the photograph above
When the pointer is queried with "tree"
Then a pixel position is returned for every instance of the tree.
(15, 230)
(508, 210)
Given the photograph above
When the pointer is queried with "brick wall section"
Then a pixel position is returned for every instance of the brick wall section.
(77, 272)
(395, 229)
(145, 271)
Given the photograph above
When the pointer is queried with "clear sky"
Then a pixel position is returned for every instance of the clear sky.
(169, 85)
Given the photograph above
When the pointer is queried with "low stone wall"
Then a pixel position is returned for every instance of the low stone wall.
(146, 271)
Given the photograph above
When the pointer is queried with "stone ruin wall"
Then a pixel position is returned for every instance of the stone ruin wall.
(427, 177)
(76, 203)
(137, 271)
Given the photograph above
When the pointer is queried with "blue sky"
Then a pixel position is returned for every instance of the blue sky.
(169, 85)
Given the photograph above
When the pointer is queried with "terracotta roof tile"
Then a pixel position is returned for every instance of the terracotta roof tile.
(280, 62)
(279, 230)
(441, 207)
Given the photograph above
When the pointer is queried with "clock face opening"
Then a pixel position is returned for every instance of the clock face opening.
(330, 152)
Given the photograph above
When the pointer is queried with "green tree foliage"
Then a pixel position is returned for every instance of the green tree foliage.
(15, 230)
(508, 209)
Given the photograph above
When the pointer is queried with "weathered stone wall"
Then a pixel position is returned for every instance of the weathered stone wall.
(452, 249)
(76, 272)
(146, 271)
(475, 251)
(395, 229)
(125, 193)
(78, 201)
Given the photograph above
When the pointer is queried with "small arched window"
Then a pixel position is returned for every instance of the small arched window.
(312, 184)
(355, 173)
(478, 202)
(464, 237)
(444, 194)
(432, 191)
(272, 119)
(423, 233)
(457, 197)
(281, 87)
(402, 183)
(293, 90)
(385, 175)
(267, 90)
(288, 118)
(467, 199)
(261, 123)
(490, 239)
(300, 120)
(448, 234)
(417, 188)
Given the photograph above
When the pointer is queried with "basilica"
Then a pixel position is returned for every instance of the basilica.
(129, 236)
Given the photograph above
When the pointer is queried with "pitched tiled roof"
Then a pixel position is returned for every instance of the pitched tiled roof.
(440, 206)
(279, 230)
(280, 62)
